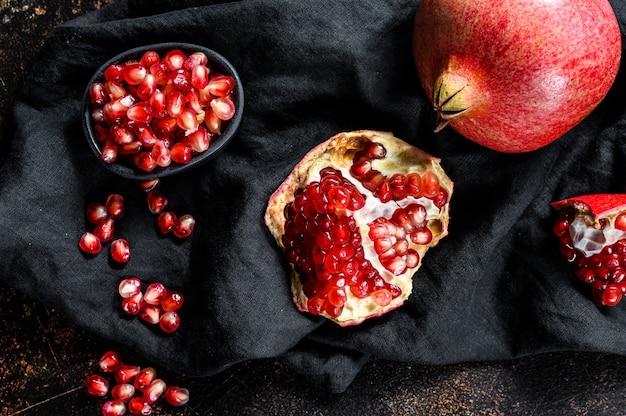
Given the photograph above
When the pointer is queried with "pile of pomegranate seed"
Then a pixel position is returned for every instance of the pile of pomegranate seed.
(103, 216)
(156, 305)
(160, 110)
(136, 389)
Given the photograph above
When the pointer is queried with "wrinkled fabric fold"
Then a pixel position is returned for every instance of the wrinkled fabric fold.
(495, 288)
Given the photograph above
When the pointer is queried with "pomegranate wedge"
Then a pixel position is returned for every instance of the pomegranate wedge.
(355, 218)
(592, 236)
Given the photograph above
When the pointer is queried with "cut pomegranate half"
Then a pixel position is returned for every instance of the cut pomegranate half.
(355, 218)
(592, 237)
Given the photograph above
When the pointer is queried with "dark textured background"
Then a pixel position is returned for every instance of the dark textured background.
(44, 358)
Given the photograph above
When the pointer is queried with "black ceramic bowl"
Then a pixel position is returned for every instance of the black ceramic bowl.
(124, 168)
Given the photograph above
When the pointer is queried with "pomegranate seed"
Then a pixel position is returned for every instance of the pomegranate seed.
(96, 212)
(114, 90)
(146, 185)
(187, 120)
(97, 385)
(172, 301)
(149, 58)
(123, 392)
(132, 305)
(181, 80)
(145, 135)
(154, 293)
(113, 72)
(177, 396)
(158, 104)
(144, 378)
(156, 201)
(132, 148)
(166, 221)
(115, 206)
(199, 76)
(108, 153)
(138, 406)
(110, 361)
(97, 95)
(113, 408)
(134, 73)
(175, 59)
(430, 184)
(121, 134)
(161, 73)
(161, 155)
(164, 126)
(181, 153)
(199, 140)
(223, 107)
(212, 121)
(184, 226)
(221, 85)
(102, 133)
(104, 230)
(129, 287)
(620, 222)
(154, 391)
(175, 103)
(140, 112)
(169, 321)
(196, 58)
(90, 243)
(120, 250)
(149, 313)
(126, 373)
(145, 161)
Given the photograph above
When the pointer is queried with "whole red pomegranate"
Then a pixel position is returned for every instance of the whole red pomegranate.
(355, 218)
(515, 75)
(592, 235)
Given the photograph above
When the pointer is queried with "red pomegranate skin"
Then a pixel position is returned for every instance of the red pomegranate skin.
(515, 75)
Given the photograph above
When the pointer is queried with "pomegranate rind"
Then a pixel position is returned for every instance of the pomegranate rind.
(338, 152)
(594, 206)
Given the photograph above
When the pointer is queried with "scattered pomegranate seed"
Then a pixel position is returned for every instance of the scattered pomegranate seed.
(123, 392)
(177, 396)
(132, 305)
(129, 287)
(97, 385)
(154, 293)
(120, 250)
(147, 185)
(169, 321)
(156, 201)
(172, 301)
(113, 408)
(150, 313)
(162, 96)
(184, 226)
(110, 361)
(126, 373)
(90, 243)
(104, 230)
(154, 391)
(115, 206)
(96, 212)
(138, 406)
(166, 221)
(144, 378)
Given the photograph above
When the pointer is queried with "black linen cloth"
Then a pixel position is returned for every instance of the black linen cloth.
(495, 288)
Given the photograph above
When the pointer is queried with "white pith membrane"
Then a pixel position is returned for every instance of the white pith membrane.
(590, 240)
(338, 152)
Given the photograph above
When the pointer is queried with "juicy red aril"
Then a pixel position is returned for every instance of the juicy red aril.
(115, 206)
(181, 153)
(147, 185)
(138, 406)
(90, 243)
(129, 287)
(144, 378)
(145, 100)
(155, 292)
(110, 361)
(132, 304)
(105, 229)
(96, 212)
(150, 313)
(184, 226)
(166, 222)
(113, 408)
(154, 391)
(123, 392)
(177, 396)
(169, 321)
(97, 385)
(120, 250)
(172, 301)
(156, 201)
(126, 373)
